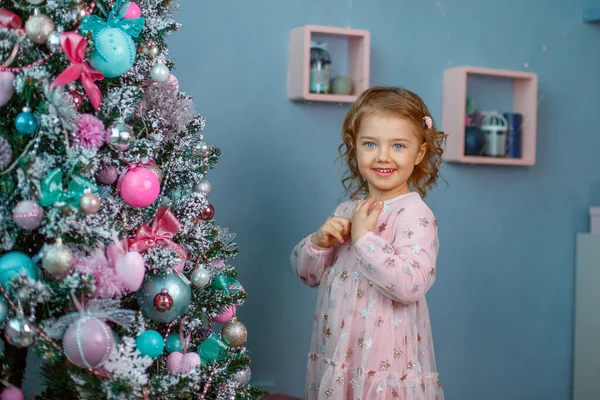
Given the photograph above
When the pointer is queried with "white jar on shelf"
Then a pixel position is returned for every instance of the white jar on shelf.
(494, 127)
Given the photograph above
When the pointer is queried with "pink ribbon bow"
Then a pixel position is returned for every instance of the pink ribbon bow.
(11, 21)
(164, 226)
(74, 46)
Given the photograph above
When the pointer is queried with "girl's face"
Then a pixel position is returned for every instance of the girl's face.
(387, 150)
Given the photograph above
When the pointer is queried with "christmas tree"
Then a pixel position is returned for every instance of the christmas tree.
(112, 268)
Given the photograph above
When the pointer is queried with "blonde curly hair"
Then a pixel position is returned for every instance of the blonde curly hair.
(401, 103)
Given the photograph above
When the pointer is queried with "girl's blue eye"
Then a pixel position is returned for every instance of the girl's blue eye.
(370, 144)
(398, 146)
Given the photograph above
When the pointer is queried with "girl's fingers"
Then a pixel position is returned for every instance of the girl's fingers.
(334, 232)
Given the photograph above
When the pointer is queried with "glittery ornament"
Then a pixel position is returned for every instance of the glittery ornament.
(163, 301)
(26, 122)
(88, 342)
(38, 27)
(153, 285)
(7, 89)
(202, 187)
(200, 277)
(53, 41)
(19, 331)
(149, 49)
(202, 149)
(89, 203)
(207, 212)
(160, 72)
(243, 376)
(77, 98)
(118, 136)
(5, 153)
(107, 175)
(57, 258)
(234, 333)
(156, 171)
(28, 214)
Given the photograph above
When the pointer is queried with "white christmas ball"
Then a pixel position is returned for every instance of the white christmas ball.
(160, 72)
(201, 277)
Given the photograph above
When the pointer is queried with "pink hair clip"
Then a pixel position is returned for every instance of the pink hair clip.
(428, 121)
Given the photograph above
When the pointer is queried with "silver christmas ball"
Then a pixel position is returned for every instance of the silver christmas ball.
(160, 72)
(5, 153)
(35, 2)
(19, 332)
(243, 376)
(57, 258)
(202, 187)
(118, 136)
(202, 149)
(200, 277)
(234, 333)
(53, 41)
(179, 291)
(38, 27)
(89, 203)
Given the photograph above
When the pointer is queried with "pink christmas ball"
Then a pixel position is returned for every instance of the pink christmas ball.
(12, 393)
(28, 214)
(107, 175)
(88, 342)
(140, 187)
(7, 88)
(133, 11)
(226, 316)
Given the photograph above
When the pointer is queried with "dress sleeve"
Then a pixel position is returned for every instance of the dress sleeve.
(403, 269)
(309, 261)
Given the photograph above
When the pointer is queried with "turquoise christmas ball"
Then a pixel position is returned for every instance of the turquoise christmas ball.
(114, 52)
(26, 122)
(13, 263)
(150, 343)
(180, 292)
(173, 343)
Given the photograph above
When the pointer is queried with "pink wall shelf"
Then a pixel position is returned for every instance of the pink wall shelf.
(525, 88)
(358, 56)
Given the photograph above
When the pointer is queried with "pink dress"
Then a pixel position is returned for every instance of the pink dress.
(372, 335)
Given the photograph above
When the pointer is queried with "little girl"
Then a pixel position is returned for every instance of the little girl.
(375, 258)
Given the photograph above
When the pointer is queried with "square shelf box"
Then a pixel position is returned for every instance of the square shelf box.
(524, 101)
(350, 53)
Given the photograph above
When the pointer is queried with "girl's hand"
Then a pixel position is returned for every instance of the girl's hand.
(365, 219)
(335, 229)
